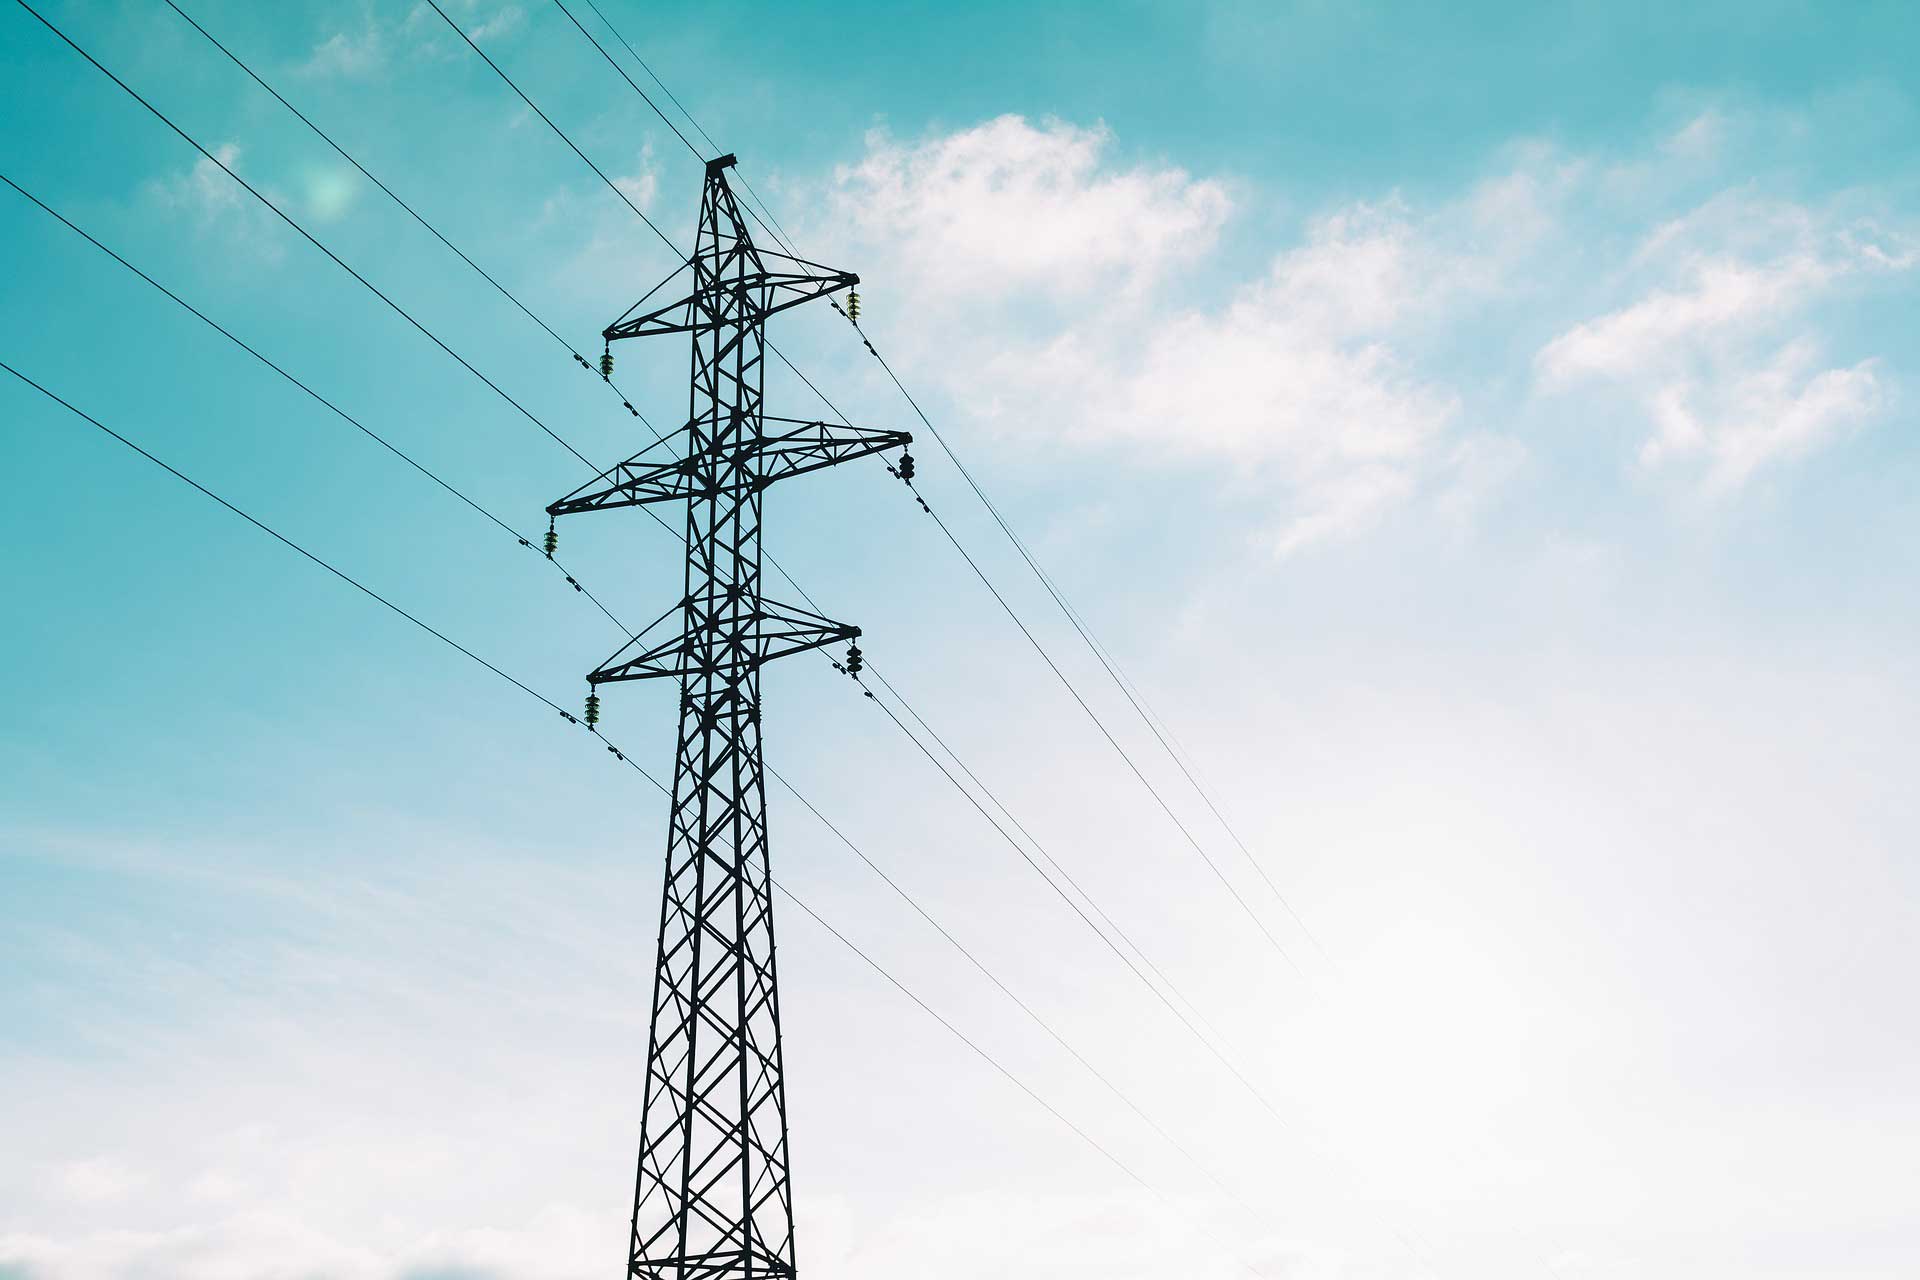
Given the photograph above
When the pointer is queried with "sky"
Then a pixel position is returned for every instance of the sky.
(1485, 435)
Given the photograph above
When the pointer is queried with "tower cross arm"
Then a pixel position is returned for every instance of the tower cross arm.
(757, 294)
(792, 447)
(769, 632)
(640, 479)
(783, 447)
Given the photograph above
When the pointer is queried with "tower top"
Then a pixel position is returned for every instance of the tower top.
(715, 167)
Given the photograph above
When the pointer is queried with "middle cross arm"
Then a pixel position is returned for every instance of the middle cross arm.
(784, 447)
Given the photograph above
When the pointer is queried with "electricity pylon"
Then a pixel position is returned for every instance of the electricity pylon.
(712, 1197)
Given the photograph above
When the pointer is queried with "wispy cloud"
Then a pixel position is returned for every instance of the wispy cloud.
(217, 205)
(1068, 281)
(348, 53)
(1107, 308)
(1013, 205)
(1721, 348)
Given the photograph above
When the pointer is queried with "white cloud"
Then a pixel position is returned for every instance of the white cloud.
(205, 190)
(1294, 382)
(218, 205)
(1719, 349)
(347, 53)
(643, 184)
(504, 21)
(1007, 205)
(1067, 282)
(1477, 466)
(1071, 298)
(424, 34)
(100, 1178)
(1745, 419)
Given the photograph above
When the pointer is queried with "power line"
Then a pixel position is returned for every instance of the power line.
(521, 540)
(528, 100)
(1052, 863)
(427, 332)
(447, 640)
(1156, 724)
(534, 107)
(1252, 1089)
(413, 213)
(329, 405)
(1099, 652)
(399, 310)
(368, 284)
(705, 136)
(1100, 724)
(629, 79)
(1011, 995)
(1161, 996)
(1063, 604)
(279, 537)
(754, 196)
(1185, 831)
(1085, 633)
(963, 1038)
(1126, 756)
(1274, 941)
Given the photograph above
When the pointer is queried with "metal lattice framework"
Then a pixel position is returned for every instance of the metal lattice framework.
(712, 1197)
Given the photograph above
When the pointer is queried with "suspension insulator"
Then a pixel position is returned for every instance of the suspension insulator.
(906, 467)
(593, 710)
(854, 660)
(853, 305)
(552, 541)
(606, 364)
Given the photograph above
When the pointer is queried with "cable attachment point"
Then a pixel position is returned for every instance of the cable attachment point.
(854, 661)
(552, 540)
(853, 306)
(593, 707)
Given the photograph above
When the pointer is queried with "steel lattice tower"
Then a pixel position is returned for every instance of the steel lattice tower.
(712, 1197)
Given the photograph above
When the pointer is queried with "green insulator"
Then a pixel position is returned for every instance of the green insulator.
(551, 542)
(853, 305)
(593, 709)
(606, 364)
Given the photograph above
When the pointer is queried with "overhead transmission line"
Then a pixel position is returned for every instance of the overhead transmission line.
(411, 212)
(779, 235)
(1246, 907)
(361, 279)
(1107, 662)
(1157, 725)
(1154, 722)
(611, 749)
(799, 796)
(1260, 924)
(418, 217)
(1139, 774)
(399, 310)
(625, 759)
(444, 347)
(287, 218)
(335, 409)
(614, 187)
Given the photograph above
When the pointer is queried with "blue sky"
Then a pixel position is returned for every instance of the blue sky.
(1487, 436)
